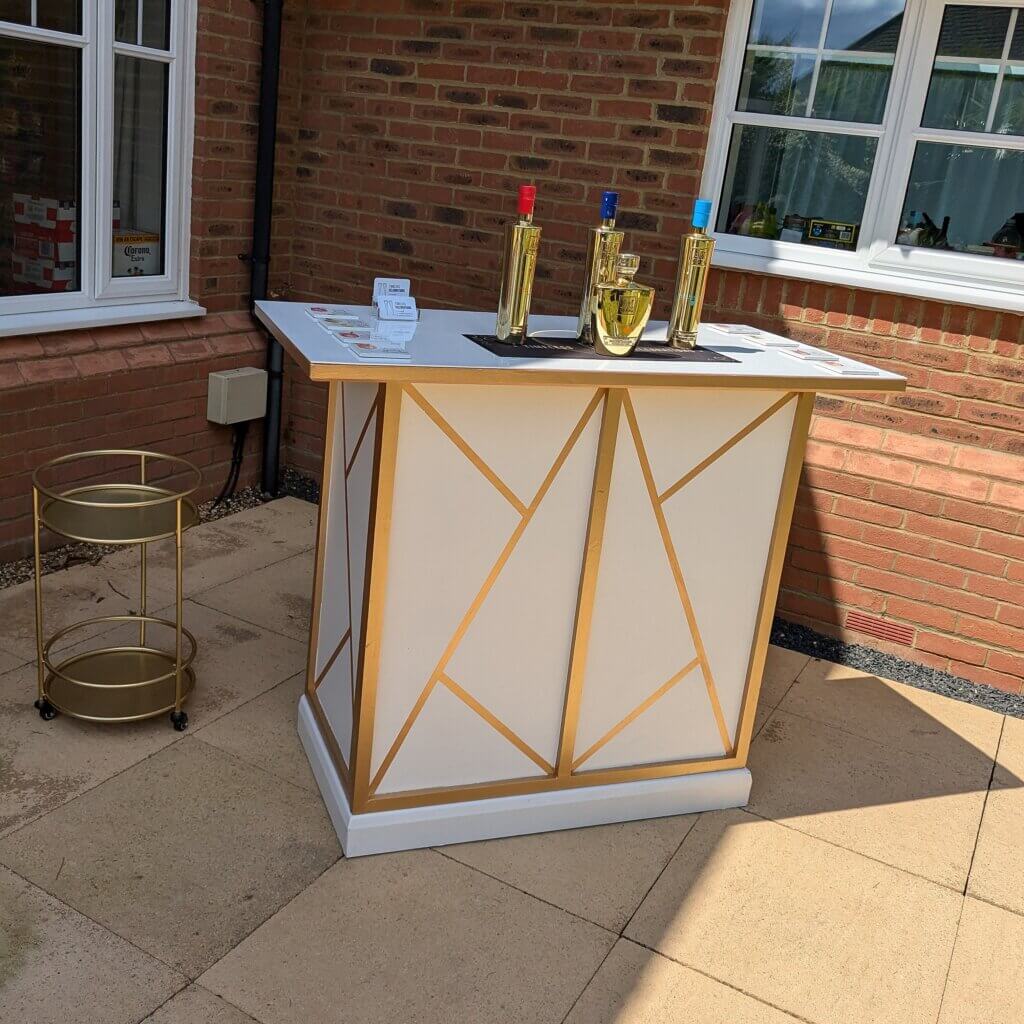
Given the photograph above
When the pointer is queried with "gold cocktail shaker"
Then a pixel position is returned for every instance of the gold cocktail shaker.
(519, 262)
(694, 264)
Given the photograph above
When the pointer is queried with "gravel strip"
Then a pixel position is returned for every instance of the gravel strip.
(888, 666)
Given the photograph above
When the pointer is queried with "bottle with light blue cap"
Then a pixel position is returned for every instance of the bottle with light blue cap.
(603, 249)
(694, 264)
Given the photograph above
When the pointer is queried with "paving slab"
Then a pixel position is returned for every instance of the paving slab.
(915, 813)
(600, 873)
(194, 1005)
(781, 668)
(264, 732)
(71, 595)
(895, 714)
(58, 967)
(986, 976)
(997, 874)
(411, 937)
(183, 854)
(821, 933)
(277, 597)
(229, 548)
(637, 986)
(8, 662)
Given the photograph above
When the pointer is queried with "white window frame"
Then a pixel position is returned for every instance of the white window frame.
(102, 298)
(878, 263)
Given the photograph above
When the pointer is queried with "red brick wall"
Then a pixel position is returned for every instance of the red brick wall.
(418, 119)
(145, 385)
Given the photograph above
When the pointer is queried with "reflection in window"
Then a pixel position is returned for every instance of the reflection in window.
(57, 15)
(796, 186)
(40, 167)
(798, 65)
(973, 88)
(143, 22)
(140, 119)
(965, 198)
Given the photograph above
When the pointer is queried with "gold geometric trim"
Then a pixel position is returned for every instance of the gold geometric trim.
(635, 713)
(485, 589)
(334, 656)
(370, 416)
(719, 452)
(457, 439)
(495, 723)
(677, 573)
(599, 493)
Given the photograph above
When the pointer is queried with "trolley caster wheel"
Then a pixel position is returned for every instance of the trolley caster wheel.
(47, 712)
(179, 720)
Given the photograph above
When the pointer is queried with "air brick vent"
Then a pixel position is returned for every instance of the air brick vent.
(893, 632)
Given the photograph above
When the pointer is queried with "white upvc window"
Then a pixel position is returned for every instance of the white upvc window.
(873, 143)
(96, 124)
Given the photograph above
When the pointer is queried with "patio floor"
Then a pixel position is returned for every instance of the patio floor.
(876, 876)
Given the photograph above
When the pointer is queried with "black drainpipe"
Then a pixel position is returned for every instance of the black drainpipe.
(260, 258)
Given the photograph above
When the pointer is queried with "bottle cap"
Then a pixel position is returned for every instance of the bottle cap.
(527, 196)
(701, 213)
(609, 204)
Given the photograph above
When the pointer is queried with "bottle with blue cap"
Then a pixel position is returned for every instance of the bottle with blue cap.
(602, 251)
(694, 264)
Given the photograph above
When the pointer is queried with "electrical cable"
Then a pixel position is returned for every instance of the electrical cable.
(235, 469)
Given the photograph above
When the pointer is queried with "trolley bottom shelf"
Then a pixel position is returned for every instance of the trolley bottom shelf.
(107, 687)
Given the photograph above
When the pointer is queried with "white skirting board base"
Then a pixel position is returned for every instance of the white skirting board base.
(467, 821)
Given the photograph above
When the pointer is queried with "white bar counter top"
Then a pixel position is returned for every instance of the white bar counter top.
(548, 606)
(439, 352)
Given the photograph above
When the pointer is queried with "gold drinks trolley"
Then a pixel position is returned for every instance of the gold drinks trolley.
(132, 681)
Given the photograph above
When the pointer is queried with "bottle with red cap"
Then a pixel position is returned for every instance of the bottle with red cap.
(519, 262)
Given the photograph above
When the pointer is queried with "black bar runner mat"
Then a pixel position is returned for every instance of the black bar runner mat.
(567, 348)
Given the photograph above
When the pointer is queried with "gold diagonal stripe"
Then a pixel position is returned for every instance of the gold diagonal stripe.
(719, 452)
(481, 596)
(677, 573)
(459, 441)
(496, 723)
(370, 416)
(334, 657)
(635, 713)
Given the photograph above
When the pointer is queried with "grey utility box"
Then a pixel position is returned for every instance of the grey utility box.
(237, 395)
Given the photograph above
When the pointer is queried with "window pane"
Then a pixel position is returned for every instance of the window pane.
(788, 72)
(796, 186)
(965, 198)
(1009, 119)
(1017, 44)
(19, 11)
(971, 31)
(787, 22)
(140, 146)
(59, 15)
(852, 88)
(776, 82)
(871, 26)
(959, 96)
(40, 167)
(155, 25)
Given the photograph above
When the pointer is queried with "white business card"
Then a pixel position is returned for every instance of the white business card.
(394, 308)
(389, 287)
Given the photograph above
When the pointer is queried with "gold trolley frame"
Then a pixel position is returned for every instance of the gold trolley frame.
(123, 682)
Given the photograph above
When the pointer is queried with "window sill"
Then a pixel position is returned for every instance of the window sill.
(914, 286)
(14, 324)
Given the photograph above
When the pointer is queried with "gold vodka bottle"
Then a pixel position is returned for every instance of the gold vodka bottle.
(694, 264)
(621, 310)
(518, 265)
(602, 251)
